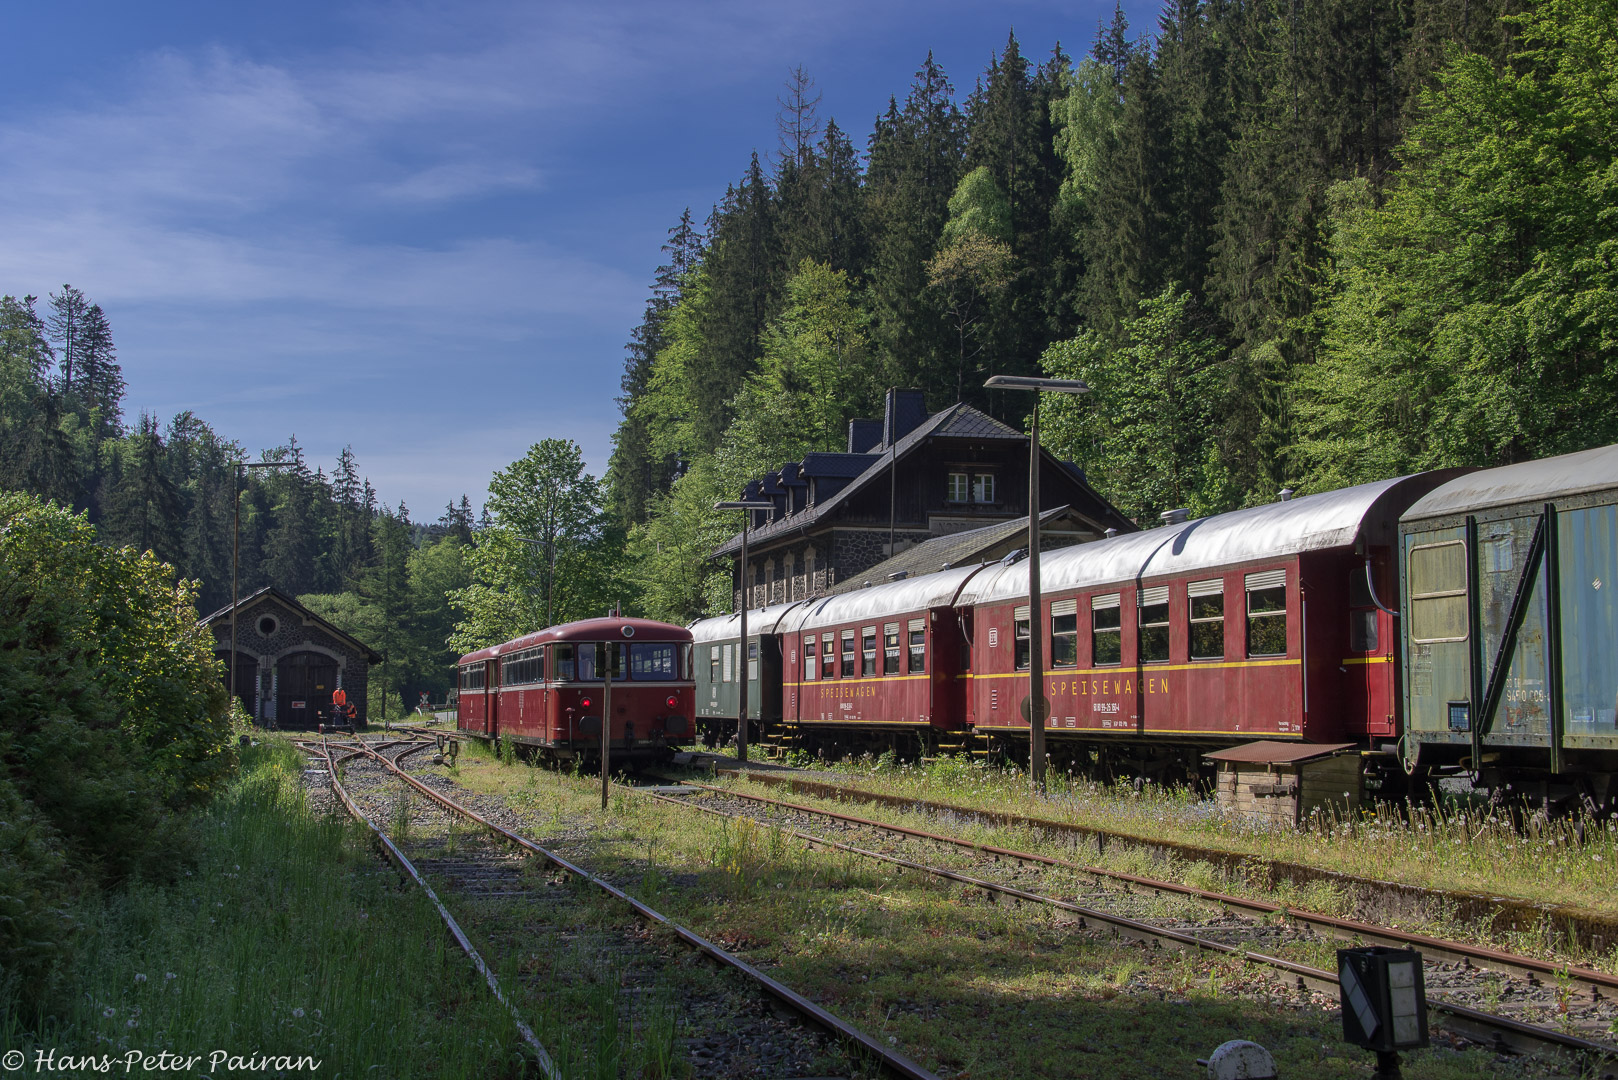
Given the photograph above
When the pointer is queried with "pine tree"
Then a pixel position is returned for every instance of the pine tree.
(101, 380)
(65, 325)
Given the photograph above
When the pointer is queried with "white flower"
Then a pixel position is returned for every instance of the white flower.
(167, 975)
(109, 1012)
(297, 1014)
(133, 1024)
(139, 977)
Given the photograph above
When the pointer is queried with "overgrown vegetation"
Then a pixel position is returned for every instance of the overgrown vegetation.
(113, 725)
(284, 937)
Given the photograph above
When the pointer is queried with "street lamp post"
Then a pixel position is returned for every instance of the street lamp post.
(748, 505)
(1037, 707)
(236, 468)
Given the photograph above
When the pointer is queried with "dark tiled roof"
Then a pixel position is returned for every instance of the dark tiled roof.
(223, 614)
(965, 422)
(822, 463)
(953, 549)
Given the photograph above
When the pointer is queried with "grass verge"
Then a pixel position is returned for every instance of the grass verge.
(285, 939)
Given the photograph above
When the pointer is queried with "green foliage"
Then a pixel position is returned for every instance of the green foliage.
(978, 208)
(548, 555)
(1474, 322)
(112, 721)
(1147, 432)
(668, 554)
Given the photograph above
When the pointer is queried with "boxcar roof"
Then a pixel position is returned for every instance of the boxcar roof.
(1331, 519)
(879, 601)
(1530, 482)
(608, 629)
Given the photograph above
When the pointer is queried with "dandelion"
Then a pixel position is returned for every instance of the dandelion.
(139, 977)
(132, 1023)
(109, 1012)
(297, 1014)
(167, 975)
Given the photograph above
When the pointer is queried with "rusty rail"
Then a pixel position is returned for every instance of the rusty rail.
(1590, 930)
(891, 1059)
(1499, 1031)
(546, 1066)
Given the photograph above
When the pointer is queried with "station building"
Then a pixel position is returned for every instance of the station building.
(906, 480)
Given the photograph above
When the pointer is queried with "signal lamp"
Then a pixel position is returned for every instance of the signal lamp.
(1384, 997)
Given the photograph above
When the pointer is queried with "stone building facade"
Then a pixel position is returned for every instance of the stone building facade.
(289, 661)
(904, 480)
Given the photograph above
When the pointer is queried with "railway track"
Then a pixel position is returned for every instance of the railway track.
(1459, 975)
(1585, 930)
(566, 925)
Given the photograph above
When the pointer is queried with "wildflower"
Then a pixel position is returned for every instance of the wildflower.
(132, 1023)
(109, 1012)
(139, 977)
(297, 1014)
(167, 975)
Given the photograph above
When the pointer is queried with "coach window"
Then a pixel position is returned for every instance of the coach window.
(1106, 630)
(890, 649)
(1438, 592)
(713, 663)
(1207, 619)
(1064, 633)
(1267, 613)
(809, 673)
(828, 655)
(752, 660)
(1153, 623)
(848, 654)
(1362, 635)
(1019, 653)
(868, 650)
(918, 646)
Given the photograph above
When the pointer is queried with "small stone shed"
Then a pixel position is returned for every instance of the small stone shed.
(1282, 783)
(289, 661)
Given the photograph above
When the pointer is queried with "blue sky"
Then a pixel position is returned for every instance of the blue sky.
(424, 229)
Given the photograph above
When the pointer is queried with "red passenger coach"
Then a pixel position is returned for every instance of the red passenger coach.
(1264, 623)
(547, 689)
(874, 663)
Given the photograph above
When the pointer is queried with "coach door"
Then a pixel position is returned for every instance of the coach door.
(491, 718)
(305, 684)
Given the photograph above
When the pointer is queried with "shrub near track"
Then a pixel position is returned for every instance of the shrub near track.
(287, 938)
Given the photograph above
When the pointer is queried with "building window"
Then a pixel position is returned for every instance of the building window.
(1267, 613)
(960, 487)
(267, 626)
(1153, 622)
(1065, 633)
(1019, 652)
(983, 487)
(918, 646)
(1106, 630)
(868, 651)
(1438, 592)
(1207, 619)
(848, 654)
(890, 649)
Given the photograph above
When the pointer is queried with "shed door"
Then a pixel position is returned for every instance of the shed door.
(307, 680)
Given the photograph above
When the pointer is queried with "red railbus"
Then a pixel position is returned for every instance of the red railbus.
(548, 689)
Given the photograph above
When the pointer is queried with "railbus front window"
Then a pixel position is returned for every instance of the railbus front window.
(1065, 633)
(1207, 619)
(1106, 630)
(653, 661)
(1019, 621)
(1267, 613)
(890, 649)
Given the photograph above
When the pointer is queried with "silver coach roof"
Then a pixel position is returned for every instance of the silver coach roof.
(879, 601)
(1531, 481)
(1307, 523)
(759, 621)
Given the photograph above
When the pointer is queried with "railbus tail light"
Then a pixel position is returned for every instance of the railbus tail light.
(672, 702)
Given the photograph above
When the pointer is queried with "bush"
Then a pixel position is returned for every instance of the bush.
(113, 721)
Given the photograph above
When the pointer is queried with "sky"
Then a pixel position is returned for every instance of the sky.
(425, 230)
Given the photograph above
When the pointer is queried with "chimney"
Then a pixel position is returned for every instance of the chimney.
(906, 411)
(1285, 495)
(1176, 516)
(863, 435)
